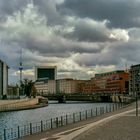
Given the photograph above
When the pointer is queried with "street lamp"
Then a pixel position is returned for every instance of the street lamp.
(137, 95)
(136, 104)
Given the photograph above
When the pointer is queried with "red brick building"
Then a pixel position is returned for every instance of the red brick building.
(110, 82)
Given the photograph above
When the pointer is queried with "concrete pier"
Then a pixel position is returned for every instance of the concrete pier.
(21, 104)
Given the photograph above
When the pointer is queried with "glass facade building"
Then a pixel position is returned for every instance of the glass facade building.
(45, 72)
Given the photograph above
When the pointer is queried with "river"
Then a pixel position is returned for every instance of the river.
(15, 118)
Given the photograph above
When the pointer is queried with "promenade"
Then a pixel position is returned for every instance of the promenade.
(118, 125)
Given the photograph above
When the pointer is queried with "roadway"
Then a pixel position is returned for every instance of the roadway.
(121, 124)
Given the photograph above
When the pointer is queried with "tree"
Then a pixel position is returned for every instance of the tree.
(28, 87)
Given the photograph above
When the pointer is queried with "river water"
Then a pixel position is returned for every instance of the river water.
(15, 118)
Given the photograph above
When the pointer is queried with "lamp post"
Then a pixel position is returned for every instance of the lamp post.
(137, 94)
(136, 104)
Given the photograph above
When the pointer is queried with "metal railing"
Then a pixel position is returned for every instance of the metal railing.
(44, 125)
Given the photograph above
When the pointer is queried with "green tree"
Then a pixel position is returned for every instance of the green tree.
(28, 88)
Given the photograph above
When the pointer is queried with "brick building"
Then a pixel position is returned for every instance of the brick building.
(110, 82)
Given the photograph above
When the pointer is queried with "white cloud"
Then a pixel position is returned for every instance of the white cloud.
(120, 35)
(80, 46)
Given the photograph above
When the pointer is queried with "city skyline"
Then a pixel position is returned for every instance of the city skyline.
(80, 37)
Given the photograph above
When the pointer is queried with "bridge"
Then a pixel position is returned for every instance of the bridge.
(98, 97)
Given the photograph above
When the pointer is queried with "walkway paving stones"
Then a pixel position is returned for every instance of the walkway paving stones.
(123, 128)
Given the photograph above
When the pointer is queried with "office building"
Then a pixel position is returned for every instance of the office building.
(68, 86)
(3, 79)
(45, 86)
(134, 80)
(112, 82)
(45, 72)
(116, 82)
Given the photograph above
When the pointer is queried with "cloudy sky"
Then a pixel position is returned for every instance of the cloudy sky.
(81, 37)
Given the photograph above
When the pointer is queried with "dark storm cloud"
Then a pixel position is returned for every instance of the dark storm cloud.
(48, 8)
(98, 59)
(8, 7)
(45, 7)
(134, 34)
(89, 30)
(114, 55)
(61, 46)
(129, 51)
(120, 13)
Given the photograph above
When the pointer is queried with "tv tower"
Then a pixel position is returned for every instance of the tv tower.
(20, 65)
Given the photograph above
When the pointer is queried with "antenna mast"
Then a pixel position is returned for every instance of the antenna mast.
(20, 65)
(126, 69)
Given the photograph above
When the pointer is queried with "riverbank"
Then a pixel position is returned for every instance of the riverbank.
(22, 104)
(45, 124)
(65, 132)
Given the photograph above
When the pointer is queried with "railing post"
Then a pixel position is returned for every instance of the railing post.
(41, 126)
(73, 117)
(110, 108)
(57, 122)
(113, 107)
(66, 119)
(80, 115)
(106, 109)
(31, 129)
(91, 112)
(96, 112)
(100, 111)
(86, 114)
(18, 132)
(51, 124)
(4, 134)
(61, 120)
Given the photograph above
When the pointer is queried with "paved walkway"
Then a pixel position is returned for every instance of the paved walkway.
(125, 127)
(118, 125)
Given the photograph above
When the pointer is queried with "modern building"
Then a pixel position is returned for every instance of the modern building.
(110, 82)
(3, 79)
(68, 86)
(47, 72)
(134, 80)
(60, 86)
(45, 86)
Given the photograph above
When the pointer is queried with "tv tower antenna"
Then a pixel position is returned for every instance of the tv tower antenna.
(20, 65)
(126, 69)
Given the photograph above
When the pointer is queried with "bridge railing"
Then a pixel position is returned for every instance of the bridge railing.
(44, 125)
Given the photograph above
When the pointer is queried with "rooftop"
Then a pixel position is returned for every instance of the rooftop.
(138, 65)
(109, 73)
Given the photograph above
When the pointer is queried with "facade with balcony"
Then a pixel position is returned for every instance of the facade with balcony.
(134, 80)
